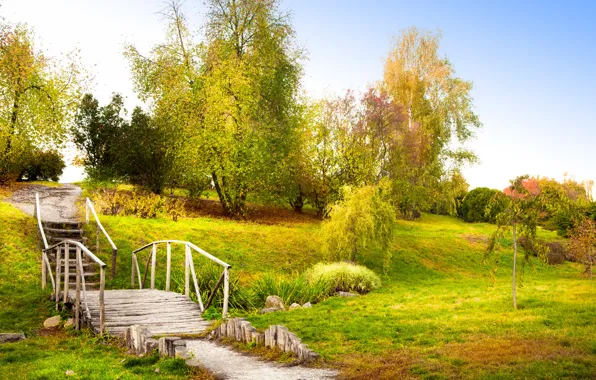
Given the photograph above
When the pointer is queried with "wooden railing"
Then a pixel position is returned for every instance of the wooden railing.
(189, 269)
(44, 259)
(80, 278)
(89, 206)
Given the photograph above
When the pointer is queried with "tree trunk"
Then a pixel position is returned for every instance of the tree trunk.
(513, 284)
(298, 202)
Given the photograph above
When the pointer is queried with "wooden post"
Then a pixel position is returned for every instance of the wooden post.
(224, 313)
(57, 295)
(44, 271)
(114, 254)
(194, 279)
(186, 272)
(79, 272)
(217, 285)
(169, 265)
(153, 258)
(132, 271)
(66, 272)
(102, 306)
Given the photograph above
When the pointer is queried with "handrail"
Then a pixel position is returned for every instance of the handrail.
(100, 227)
(189, 270)
(191, 245)
(37, 214)
(80, 277)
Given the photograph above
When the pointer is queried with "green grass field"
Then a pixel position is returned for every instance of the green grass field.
(437, 315)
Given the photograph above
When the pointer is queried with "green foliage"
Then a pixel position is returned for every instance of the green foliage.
(97, 132)
(476, 202)
(38, 96)
(43, 166)
(296, 289)
(344, 276)
(358, 225)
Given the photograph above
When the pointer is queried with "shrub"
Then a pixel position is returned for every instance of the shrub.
(474, 207)
(345, 277)
(298, 289)
(360, 224)
(43, 166)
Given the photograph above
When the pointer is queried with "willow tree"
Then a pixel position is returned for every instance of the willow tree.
(38, 97)
(439, 115)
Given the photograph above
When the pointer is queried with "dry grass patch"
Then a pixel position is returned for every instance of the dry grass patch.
(498, 352)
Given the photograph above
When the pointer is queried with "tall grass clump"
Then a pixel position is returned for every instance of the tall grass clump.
(345, 277)
(291, 290)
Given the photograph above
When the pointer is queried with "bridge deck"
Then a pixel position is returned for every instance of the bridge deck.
(163, 313)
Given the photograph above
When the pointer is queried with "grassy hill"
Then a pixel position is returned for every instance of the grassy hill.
(437, 314)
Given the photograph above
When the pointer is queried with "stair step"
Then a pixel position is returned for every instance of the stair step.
(62, 232)
(60, 238)
(62, 225)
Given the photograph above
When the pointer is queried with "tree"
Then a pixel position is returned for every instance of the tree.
(439, 112)
(38, 98)
(521, 212)
(362, 222)
(97, 132)
(42, 166)
(582, 243)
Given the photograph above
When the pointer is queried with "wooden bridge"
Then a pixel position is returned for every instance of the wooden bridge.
(70, 265)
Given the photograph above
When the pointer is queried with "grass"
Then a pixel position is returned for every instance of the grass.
(48, 354)
(437, 314)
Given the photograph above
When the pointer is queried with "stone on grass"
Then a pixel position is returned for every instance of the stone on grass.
(347, 294)
(307, 305)
(11, 337)
(274, 302)
(295, 306)
(69, 323)
(70, 372)
(52, 322)
(269, 310)
(157, 370)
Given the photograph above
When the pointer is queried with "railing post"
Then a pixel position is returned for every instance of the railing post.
(102, 306)
(57, 295)
(153, 258)
(224, 313)
(168, 265)
(79, 271)
(44, 271)
(66, 272)
(132, 271)
(186, 272)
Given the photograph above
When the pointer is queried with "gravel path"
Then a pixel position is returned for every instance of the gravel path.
(58, 204)
(228, 364)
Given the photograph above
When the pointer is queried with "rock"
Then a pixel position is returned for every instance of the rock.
(307, 305)
(52, 322)
(69, 323)
(11, 337)
(274, 302)
(193, 363)
(157, 370)
(180, 352)
(70, 372)
(347, 294)
(295, 306)
(269, 310)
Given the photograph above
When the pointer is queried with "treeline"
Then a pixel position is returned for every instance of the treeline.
(228, 113)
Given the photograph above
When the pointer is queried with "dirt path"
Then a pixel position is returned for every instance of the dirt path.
(58, 204)
(228, 364)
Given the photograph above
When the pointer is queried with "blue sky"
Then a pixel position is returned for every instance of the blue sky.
(532, 63)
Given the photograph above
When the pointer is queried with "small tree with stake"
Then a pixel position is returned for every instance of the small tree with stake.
(521, 213)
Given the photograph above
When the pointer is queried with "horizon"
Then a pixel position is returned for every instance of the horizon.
(529, 65)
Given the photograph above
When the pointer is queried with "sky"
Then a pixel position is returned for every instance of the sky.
(533, 64)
